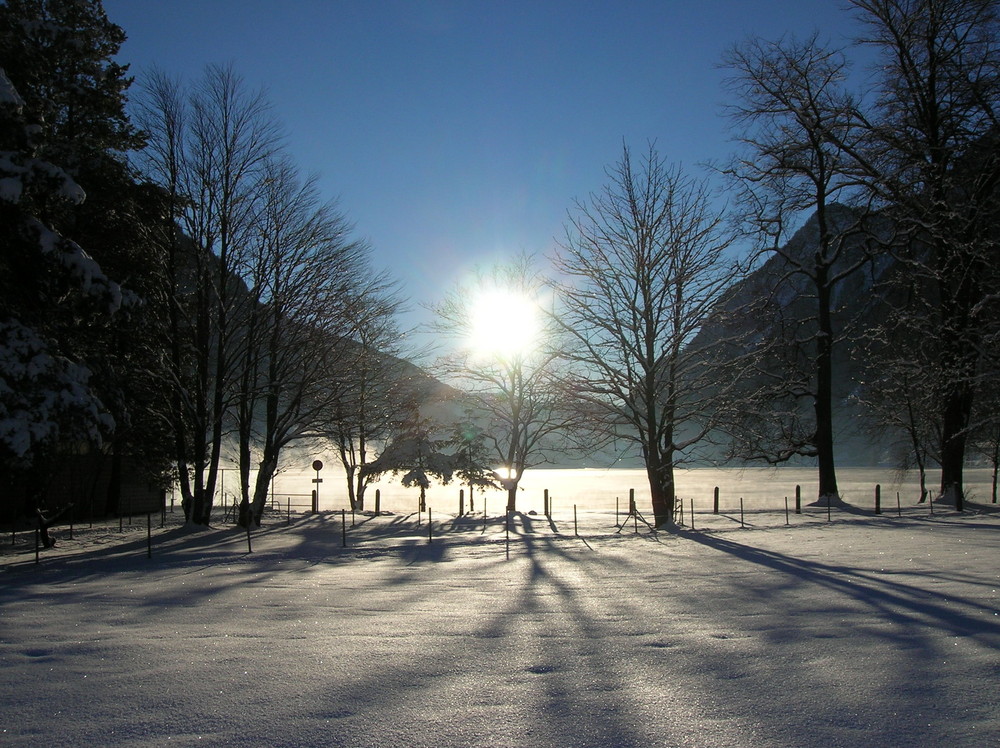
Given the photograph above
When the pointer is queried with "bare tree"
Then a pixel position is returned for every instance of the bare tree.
(789, 96)
(306, 279)
(898, 394)
(504, 360)
(640, 270)
(933, 163)
(161, 112)
(377, 389)
(985, 429)
(209, 147)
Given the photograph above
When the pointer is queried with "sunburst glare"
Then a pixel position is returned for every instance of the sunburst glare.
(503, 322)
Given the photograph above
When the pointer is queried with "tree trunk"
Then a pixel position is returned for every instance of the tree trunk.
(349, 471)
(823, 439)
(112, 500)
(245, 456)
(268, 466)
(662, 491)
(962, 359)
(187, 499)
(958, 406)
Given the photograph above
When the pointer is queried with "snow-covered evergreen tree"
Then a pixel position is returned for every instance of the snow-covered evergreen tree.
(417, 456)
(66, 195)
(44, 395)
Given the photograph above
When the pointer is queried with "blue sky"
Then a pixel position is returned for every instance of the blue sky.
(458, 133)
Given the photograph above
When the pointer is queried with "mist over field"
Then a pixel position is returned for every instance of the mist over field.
(597, 488)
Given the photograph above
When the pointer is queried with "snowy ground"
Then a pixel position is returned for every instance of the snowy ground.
(860, 631)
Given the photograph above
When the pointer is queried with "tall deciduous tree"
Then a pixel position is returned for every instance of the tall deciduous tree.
(789, 96)
(210, 150)
(932, 163)
(641, 268)
(309, 284)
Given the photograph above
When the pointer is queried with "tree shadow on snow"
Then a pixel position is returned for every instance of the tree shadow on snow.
(898, 602)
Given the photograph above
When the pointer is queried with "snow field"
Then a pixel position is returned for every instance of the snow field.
(862, 631)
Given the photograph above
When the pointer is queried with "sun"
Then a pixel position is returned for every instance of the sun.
(503, 322)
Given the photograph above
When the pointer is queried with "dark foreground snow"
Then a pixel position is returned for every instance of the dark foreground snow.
(864, 631)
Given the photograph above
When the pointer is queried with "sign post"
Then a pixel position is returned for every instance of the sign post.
(317, 466)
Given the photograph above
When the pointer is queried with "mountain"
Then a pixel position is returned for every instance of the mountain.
(778, 301)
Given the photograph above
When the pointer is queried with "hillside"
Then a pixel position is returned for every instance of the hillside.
(775, 300)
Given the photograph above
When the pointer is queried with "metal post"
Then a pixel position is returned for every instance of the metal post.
(430, 526)
(461, 502)
(378, 502)
(631, 508)
(741, 512)
(692, 514)
(878, 498)
(506, 523)
(547, 509)
(798, 499)
(786, 510)
(715, 503)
